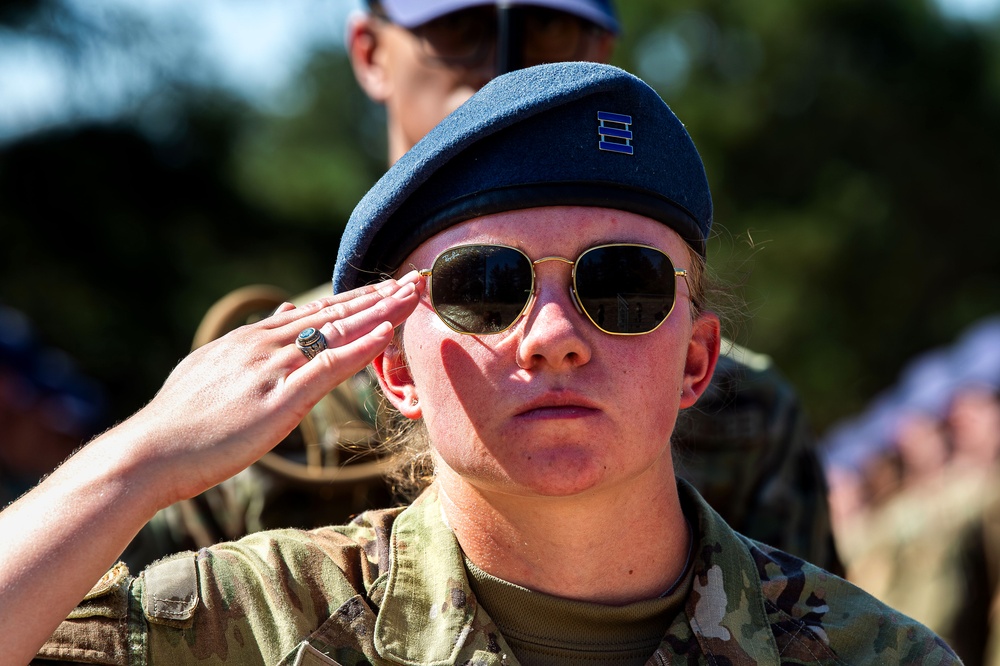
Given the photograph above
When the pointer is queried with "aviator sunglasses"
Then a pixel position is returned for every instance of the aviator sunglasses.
(622, 288)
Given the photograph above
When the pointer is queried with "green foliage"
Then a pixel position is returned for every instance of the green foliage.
(311, 165)
(852, 148)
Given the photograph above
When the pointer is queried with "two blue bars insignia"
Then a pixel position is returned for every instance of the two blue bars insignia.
(616, 137)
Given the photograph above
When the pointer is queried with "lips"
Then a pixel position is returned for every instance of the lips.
(559, 404)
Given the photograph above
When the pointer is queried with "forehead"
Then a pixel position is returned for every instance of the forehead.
(553, 230)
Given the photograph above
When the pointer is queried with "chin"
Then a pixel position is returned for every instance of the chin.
(559, 472)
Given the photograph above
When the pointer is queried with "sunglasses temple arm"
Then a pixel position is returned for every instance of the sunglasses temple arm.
(576, 302)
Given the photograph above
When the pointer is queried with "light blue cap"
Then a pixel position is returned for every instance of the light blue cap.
(411, 13)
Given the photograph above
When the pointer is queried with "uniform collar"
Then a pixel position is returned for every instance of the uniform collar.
(725, 609)
(427, 613)
(428, 608)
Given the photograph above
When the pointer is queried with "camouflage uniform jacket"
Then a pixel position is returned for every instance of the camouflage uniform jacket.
(391, 588)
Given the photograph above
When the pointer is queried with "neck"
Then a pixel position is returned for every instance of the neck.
(398, 145)
(613, 547)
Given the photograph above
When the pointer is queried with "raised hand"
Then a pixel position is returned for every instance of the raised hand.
(233, 399)
(222, 408)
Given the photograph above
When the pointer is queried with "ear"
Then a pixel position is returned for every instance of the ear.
(702, 355)
(396, 381)
(368, 56)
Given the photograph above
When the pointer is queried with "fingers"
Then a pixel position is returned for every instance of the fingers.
(356, 328)
(337, 364)
(242, 393)
(341, 306)
(393, 309)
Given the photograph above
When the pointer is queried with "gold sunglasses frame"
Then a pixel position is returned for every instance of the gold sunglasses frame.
(428, 272)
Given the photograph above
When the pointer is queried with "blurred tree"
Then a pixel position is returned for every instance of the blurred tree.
(854, 144)
(118, 244)
(318, 162)
(119, 235)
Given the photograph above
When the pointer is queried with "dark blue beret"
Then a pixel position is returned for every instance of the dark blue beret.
(561, 134)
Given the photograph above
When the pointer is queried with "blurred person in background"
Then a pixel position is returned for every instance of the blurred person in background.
(924, 535)
(974, 423)
(47, 407)
(747, 446)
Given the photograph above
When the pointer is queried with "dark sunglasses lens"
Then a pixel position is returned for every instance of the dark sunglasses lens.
(480, 289)
(625, 289)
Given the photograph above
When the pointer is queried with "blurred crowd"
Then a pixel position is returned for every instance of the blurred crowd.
(915, 497)
(47, 406)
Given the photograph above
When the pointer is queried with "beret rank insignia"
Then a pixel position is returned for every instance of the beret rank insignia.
(616, 137)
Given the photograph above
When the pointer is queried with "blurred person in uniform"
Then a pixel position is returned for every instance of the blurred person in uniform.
(47, 407)
(746, 446)
(929, 543)
(929, 547)
(974, 422)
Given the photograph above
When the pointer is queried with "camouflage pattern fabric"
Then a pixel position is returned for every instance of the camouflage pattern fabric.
(748, 449)
(263, 497)
(254, 500)
(391, 588)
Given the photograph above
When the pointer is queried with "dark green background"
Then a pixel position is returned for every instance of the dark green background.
(852, 146)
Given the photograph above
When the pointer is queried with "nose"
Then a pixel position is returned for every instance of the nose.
(554, 334)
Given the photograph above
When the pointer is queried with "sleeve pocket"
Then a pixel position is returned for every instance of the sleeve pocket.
(307, 655)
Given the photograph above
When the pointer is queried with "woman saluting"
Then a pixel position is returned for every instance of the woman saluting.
(522, 236)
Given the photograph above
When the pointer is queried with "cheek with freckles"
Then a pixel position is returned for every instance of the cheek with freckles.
(455, 389)
(652, 374)
(456, 394)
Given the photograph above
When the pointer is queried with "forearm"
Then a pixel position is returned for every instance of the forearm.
(59, 539)
(221, 409)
